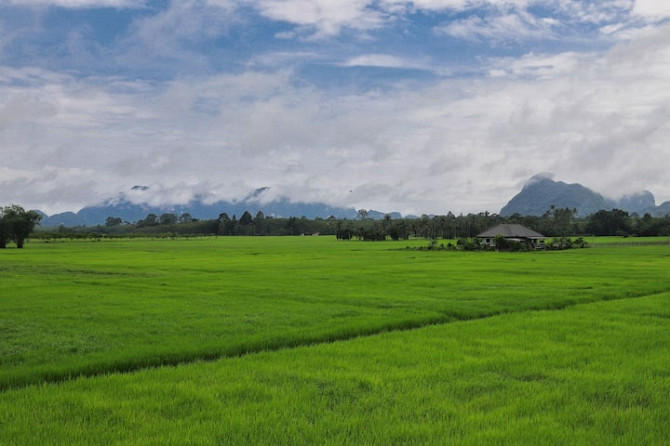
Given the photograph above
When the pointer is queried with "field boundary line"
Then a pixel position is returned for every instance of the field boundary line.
(279, 344)
(627, 244)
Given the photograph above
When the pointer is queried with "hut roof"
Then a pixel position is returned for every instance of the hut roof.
(511, 231)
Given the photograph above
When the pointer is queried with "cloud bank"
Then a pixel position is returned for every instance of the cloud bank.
(318, 110)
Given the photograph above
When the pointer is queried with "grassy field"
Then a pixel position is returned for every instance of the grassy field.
(590, 374)
(276, 320)
(627, 241)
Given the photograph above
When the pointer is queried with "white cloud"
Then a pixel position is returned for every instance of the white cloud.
(453, 5)
(655, 9)
(538, 66)
(327, 17)
(598, 13)
(455, 145)
(496, 19)
(460, 145)
(169, 41)
(51, 189)
(426, 5)
(186, 19)
(384, 61)
(516, 25)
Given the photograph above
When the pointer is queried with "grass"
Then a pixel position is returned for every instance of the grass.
(89, 308)
(626, 241)
(589, 374)
(306, 340)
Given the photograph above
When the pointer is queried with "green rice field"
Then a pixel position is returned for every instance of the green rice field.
(309, 340)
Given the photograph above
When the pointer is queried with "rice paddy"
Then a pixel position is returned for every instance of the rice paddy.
(309, 340)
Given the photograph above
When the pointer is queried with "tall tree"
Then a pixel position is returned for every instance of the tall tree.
(151, 220)
(614, 222)
(224, 224)
(5, 234)
(558, 221)
(246, 218)
(186, 218)
(113, 221)
(18, 223)
(259, 224)
(168, 219)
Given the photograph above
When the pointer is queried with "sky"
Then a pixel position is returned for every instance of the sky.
(424, 106)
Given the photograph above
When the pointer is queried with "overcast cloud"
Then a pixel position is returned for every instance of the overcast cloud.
(427, 106)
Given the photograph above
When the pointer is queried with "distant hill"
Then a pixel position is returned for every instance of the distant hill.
(541, 192)
(535, 198)
(131, 211)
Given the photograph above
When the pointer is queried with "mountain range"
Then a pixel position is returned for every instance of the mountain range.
(536, 197)
(541, 192)
(134, 210)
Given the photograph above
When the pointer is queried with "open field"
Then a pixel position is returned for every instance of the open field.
(626, 241)
(592, 373)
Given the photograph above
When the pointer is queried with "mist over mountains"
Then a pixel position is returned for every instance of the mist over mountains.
(536, 197)
(132, 210)
(541, 192)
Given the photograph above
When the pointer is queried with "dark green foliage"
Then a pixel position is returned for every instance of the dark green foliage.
(560, 243)
(503, 244)
(113, 221)
(16, 224)
(149, 221)
(5, 233)
(168, 219)
(224, 225)
(344, 234)
(186, 218)
(614, 222)
(373, 233)
(246, 219)
(556, 222)
(469, 244)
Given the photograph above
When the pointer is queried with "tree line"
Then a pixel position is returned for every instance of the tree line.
(556, 222)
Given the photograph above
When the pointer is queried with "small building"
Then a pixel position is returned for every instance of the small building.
(513, 233)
